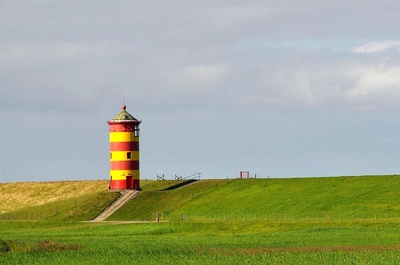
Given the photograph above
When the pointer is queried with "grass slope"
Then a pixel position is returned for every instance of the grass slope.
(18, 195)
(63, 201)
(58, 201)
(340, 197)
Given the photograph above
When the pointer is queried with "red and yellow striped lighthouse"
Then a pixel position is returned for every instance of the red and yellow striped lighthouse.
(124, 151)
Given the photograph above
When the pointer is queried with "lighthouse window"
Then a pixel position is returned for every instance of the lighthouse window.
(129, 155)
(110, 155)
(137, 131)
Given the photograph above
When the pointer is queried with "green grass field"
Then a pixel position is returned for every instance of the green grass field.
(343, 220)
(200, 243)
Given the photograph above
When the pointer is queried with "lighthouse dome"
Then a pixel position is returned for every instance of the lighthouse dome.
(124, 116)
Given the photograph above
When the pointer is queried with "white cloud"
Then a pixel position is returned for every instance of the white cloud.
(376, 87)
(375, 47)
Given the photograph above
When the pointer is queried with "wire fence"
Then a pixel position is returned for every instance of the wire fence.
(31, 216)
(282, 217)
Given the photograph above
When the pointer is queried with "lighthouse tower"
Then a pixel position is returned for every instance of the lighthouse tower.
(124, 151)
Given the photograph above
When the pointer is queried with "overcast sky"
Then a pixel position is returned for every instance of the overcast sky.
(280, 88)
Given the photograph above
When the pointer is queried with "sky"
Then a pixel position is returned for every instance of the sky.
(280, 88)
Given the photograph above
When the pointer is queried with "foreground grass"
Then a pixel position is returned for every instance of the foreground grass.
(201, 243)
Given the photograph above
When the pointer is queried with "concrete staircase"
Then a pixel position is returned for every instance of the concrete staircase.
(126, 196)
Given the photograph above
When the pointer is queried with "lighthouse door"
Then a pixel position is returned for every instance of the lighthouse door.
(129, 182)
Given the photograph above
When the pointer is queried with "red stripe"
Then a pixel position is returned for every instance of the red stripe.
(124, 165)
(118, 184)
(121, 184)
(122, 127)
(124, 146)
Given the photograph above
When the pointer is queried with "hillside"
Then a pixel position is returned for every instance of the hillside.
(18, 195)
(54, 201)
(274, 199)
(347, 197)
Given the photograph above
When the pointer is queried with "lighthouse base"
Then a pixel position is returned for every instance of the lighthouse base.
(128, 184)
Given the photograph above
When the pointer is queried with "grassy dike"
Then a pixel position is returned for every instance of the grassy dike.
(61, 239)
(334, 198)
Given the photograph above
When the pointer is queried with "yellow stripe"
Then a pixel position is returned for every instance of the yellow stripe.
(123, 137)
(121, 174)
(122, 156)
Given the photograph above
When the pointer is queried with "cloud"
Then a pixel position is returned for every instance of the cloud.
(381, 81)
(375, 47)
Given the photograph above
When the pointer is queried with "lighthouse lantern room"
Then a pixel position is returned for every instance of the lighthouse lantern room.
(124, 151)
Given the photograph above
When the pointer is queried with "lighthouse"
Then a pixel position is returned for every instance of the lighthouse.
(124, 151)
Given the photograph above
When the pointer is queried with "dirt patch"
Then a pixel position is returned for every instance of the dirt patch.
(4, 246)
(47, 245)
